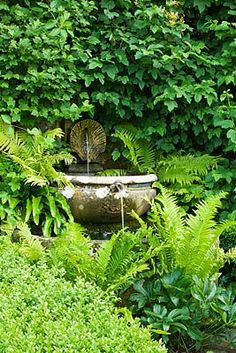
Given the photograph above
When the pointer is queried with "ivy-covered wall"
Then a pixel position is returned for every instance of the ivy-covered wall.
(167, 67)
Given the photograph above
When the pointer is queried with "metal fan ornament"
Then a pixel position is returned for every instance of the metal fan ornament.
(88, 140)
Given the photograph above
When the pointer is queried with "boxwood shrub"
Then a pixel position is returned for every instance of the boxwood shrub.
(42, 312)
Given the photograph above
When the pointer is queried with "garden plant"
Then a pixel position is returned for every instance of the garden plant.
(160, 78)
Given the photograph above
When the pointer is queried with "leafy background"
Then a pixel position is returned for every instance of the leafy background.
(170, 68)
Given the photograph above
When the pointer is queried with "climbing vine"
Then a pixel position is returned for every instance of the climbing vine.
(167, 68)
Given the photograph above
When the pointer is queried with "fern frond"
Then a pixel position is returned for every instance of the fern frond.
(140, 153)
(112, 172)
(185, 169)
(122, 255)
(29, 150)
(54, 133)
(200, 237)
(71, 250)
(128, 276)
(103, 259)
(59, 157)
(171, 215)
(30, 246)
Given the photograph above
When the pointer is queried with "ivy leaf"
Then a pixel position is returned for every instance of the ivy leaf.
(225, 124)
(231, 134)
(6, 118)
(202, 4)
(107, 4)
(111, 71)
(197, 97)
(115, 155)
(95, 63)
(171, 105)
(122, 56)
(3, 6)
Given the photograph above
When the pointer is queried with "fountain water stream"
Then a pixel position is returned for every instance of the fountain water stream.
(87, 147)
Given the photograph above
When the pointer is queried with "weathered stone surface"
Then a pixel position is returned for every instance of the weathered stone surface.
(98, 199)
(81, 169)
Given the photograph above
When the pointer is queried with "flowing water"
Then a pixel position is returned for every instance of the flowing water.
(122, 211)
(120, 195)
(87, 147)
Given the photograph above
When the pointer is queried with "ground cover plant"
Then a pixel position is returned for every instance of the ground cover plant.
(228, 242)
(188, 313)
(42, 312)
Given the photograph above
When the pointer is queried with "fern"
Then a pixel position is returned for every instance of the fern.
(30, 246)
(189, 242)
(31, 151)
(115, 264)
(120, 259)
(185, 170)
(71, 250)
(139, 152)
(112, 172)
(198, 245)
(175, 170)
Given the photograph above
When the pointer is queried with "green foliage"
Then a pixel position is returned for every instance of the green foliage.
(28, 177)
(185, 170)
(168, 66)
(186, 312)
(113, 266)
(189, 242)
(30, 247)
(140, 153)
(32, 151)
(175, 171)
(228, 243)
(42, 312)
(112, 172)
(223, 178)
(71, 250)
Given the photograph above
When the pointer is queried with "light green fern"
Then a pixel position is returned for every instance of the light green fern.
(119, 260)
(31, 151)
(115, 263)
(185, 170)
(139, 152)
(189, 241)
(112, 172)
(30, 246)
(176, 171)
(71, 250)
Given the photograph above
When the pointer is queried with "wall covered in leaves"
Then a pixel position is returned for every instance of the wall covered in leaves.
(168, 67)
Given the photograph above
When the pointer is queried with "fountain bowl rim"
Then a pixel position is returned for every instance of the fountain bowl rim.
(109, 180)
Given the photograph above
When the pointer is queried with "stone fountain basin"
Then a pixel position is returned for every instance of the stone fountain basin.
(97, 199)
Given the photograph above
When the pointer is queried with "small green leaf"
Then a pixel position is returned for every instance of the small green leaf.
(111, 70)
(115, 155)
(231, 134)
(171, 105)
(95, 63)
(6, 118)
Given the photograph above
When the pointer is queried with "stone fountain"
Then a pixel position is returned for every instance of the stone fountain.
(104, 199)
